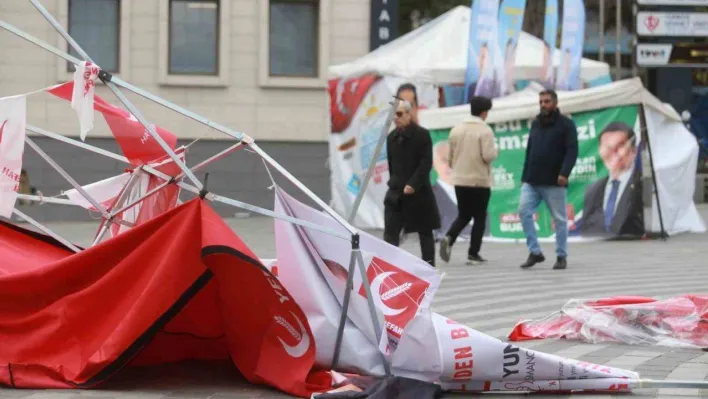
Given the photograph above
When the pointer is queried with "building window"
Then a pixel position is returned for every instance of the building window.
(95, 25)
(194, 37)
(293, 38)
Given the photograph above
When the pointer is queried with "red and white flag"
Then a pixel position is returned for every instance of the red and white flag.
(82, 96)
(13, 118)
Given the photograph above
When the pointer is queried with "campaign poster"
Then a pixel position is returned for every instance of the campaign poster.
(605, 186)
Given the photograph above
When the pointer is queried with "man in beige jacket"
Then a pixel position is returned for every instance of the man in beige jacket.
(472, 151)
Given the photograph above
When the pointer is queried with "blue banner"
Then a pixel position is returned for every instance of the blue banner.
(572, 41)
(550, 34)
(482, 49)
(511, 21)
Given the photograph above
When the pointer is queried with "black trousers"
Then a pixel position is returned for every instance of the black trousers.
(393, 225)
(472, 203)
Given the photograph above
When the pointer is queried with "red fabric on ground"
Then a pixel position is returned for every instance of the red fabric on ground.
(181, 278)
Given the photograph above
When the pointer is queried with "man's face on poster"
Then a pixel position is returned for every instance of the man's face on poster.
(617, 151)
(483, 54)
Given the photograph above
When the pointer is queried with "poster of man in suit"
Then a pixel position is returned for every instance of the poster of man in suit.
(613, 204)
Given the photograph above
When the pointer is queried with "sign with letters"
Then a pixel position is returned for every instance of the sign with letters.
(689, 55)
(384, 22)
(650, 23)
(673, 2)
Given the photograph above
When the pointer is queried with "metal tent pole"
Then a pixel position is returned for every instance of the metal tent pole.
(118, 202)
(187, 187)
(372, 163)
(48, 200)
(106, 78)
(240, 136)
(304, 189)
(46, 230)
(68, 178)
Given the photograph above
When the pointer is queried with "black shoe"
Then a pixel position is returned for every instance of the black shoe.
(532, 260)
(561, 263)
(445, 248)
(475, 260)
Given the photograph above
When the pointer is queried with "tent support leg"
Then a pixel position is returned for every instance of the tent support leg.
(46, 230)
(374, 158)
(356, 260)
(106, 78)
(642, 119)
(118, 202)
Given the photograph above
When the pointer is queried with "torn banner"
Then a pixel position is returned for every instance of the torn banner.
(674, 322)
(419, 343)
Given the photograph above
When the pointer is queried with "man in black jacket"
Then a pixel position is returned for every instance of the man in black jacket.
(409, 204)
(551, 153)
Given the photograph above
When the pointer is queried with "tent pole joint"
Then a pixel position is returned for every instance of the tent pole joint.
(105, 76)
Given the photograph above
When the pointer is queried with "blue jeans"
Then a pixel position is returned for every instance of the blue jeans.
(556, 199)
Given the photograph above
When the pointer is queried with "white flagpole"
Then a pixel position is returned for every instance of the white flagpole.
(47, 200)
(106, 78)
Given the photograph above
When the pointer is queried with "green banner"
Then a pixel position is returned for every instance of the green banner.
(511, 138)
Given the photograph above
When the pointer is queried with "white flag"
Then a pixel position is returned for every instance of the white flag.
(13, 118)
(82, 97)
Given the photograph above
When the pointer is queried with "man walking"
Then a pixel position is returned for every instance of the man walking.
(472, 151)
(409, 204)
(551, 153)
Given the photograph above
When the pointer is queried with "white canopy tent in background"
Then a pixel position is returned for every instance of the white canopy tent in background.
(436, 53)
(674, 148)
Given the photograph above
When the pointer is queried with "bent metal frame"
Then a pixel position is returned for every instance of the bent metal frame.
(196, 187)
(108, 217)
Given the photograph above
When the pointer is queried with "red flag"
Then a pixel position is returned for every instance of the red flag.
(134, 140)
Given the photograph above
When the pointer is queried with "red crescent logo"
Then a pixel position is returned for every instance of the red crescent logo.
(2, 129)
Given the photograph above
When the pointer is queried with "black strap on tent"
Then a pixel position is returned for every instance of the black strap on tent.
(203, 193)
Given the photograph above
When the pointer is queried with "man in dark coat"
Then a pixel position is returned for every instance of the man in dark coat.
(551, 153)
(409, 204)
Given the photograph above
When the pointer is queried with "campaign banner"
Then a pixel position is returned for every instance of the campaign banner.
(511, 20)
(359, 108)
(401, 283)
(572, 41)
(587, 209)
(13, 119)
(550, 35)
(483, 53)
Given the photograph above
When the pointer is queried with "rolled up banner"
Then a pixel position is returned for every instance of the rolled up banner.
(572, 41)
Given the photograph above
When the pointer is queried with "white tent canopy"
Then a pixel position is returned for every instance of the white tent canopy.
(674, 149)
(436, 53)
(524, 104)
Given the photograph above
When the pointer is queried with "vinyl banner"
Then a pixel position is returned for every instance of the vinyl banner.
(359, 108)
(572, 41)
(482, 49)
(589, 188)
(511, 20)
(13, 118)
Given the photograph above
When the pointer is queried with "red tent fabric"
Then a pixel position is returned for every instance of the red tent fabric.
(180, 286)
(135, 142)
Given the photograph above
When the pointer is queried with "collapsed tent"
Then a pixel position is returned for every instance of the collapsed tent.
(674, 322)
(180, 286)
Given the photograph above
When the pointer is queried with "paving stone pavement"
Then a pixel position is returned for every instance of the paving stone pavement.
(489, 298)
